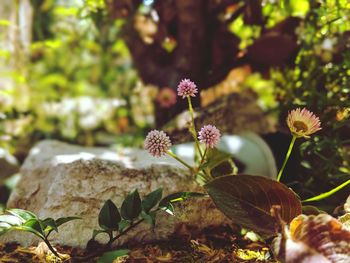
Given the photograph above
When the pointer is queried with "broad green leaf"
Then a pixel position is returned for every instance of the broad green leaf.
(23, 214)
(49, 224)
(4, 227)
(227, 167)
(131, 207)
(11, 220)
(4, 230)
(151, 200)
(29, 229)
(248, 199)
(109, 216)
(219, 163)
(109, 257)
(169, 209)
(62, 220)
(34, 224)
(150, 217)
(215, 157)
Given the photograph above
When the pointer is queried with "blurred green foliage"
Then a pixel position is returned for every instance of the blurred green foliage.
(320, 81)
(77, 81)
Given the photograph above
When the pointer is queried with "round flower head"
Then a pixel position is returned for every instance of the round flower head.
(209, 135)
(186, 88)
(157, 143)
(166, 97)
(302, 122)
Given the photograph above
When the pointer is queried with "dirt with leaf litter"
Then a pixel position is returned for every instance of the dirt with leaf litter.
(220, 244)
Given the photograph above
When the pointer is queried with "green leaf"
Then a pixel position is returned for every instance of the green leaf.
(169, 209)
(247, 200)
(109, 216)
(29, 229)
(22, 214)
(151, 200)
(227, 167)
(62, 220)
(219, 163)
(109, 257)
(4, 230)
(35, 224)
(150, 218)
(11, 220)
(4, 227)
(131, 207)
(216, 157)
(32, 225)
(49, 224)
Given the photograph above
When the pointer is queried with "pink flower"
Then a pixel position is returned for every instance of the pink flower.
(209, 135)
(166, 97)
(186, 88)
(157, 143)
(302, 122)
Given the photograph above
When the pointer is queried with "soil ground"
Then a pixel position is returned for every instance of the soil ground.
(223, 244)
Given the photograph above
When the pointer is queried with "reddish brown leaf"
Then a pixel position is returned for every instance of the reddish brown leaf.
(248, 200)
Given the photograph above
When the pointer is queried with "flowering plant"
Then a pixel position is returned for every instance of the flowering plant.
(247, 199)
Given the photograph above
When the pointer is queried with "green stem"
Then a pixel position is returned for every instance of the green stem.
(125, 231)
(286, 158)
(206, 175)
(193, 128)
(51, 247)
(179, 160)
(327, 194)
(203, 157)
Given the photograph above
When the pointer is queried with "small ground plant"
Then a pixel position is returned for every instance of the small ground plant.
(22, 220)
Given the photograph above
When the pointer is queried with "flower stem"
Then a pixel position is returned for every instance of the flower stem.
(327, 194)
(179, 160)
(286, 158)
(203, 157)
(193, 127)
(206, 175)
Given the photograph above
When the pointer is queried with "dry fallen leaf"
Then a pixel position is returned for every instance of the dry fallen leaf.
(314, 239)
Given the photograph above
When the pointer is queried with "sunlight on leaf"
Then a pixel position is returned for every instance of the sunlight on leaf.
(248, 200)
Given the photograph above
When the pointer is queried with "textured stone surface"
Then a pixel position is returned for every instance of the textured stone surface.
(64, 180)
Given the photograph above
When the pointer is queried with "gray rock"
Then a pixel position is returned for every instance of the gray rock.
(64, 180)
